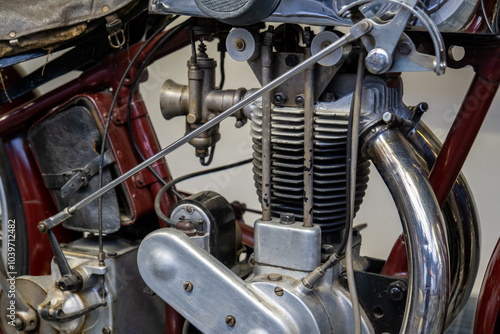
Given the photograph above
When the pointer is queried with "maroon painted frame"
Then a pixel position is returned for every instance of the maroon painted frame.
(106, 75)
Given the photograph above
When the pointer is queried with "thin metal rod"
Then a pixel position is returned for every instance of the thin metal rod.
(266, 56)
(351, 172)
(68, 212)
(308, 143)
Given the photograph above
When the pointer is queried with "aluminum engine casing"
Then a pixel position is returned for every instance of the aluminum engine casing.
(124, 291)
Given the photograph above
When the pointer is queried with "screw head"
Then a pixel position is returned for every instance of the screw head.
(106, 330)
(378, 60)
(279, 291)
(188, 286)
(230, 320)
(189, 209)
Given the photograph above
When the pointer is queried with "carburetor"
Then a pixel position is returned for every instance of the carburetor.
(200, 101)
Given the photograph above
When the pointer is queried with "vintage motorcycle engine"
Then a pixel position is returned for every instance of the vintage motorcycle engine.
(273, 299)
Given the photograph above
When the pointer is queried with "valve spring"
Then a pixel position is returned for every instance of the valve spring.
(287, 169)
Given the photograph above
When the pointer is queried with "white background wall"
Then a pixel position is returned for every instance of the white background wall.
(444, 95)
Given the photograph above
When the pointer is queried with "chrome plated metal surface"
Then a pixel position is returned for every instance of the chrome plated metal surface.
(423, 227)
(462, 224)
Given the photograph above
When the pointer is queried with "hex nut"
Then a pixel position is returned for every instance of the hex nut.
(287, 218)
(274, 277)
(397, 290)
(279, 98)
(299, 100)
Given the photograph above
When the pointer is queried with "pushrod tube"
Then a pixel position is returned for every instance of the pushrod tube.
(423, 228)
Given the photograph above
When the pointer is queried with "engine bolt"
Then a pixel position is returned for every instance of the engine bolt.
(397, 290)
(42, 227)
(106, 330)
(239, 44)
(279, 98)
(343, 278)
(291, 60)
(404, 48)
(299, 100)
(189, 209)
(230, 320)
(274, 277)
(378, 61)
(19, 323)
(279, 291)
(287, 218)
(364, 25)
(188, 286)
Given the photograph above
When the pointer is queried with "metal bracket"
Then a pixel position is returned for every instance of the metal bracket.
(54, 312)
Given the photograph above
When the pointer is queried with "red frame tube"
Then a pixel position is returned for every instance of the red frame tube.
(462, 135)
(13, 124)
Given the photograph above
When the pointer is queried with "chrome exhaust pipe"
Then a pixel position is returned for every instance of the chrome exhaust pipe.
(462, 224)
(423, 227)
